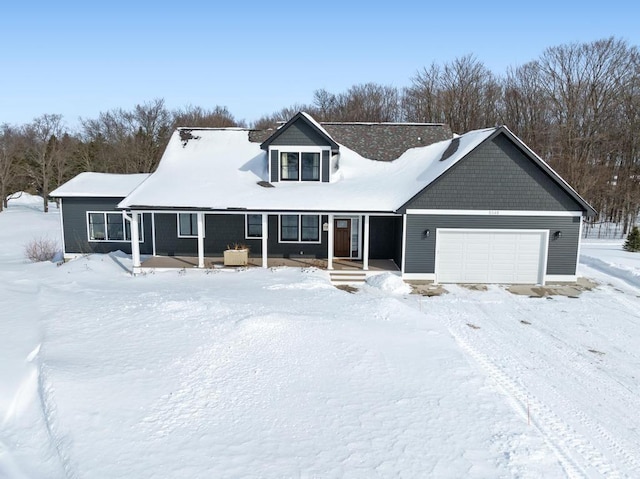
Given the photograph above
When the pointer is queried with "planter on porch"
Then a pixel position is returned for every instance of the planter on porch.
(236, 257)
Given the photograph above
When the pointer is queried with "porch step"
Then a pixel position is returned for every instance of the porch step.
(347, 276)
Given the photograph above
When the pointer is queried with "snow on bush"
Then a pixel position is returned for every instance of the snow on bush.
(389, 283)
(41, 249)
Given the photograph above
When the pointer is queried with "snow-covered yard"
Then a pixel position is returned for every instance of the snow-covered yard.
(275, 373)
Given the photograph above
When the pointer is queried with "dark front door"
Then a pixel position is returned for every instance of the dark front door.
(342, 238)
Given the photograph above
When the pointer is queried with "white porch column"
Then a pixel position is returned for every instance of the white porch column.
(330, 244)
(135, 241)
(200, 240)
(365, 244)
(265, 237)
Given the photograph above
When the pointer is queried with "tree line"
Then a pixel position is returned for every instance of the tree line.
(577, 106)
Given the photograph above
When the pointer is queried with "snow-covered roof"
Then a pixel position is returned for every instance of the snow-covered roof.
(91, 184)
(220, 169)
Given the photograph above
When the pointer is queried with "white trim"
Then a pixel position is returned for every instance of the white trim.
(124, 229)
(299, 241)
(298, 149)
(64, 249)
(178, 223)
(246, 226)
(493, 212)
(265, 242)
(404, 244)
(200, 222)
(135, 241)
(329, 242)
(542, 265)
(561, 278)
(244, 211)
(365, 245)
(579, 244)
(153, 233)
(419, 276)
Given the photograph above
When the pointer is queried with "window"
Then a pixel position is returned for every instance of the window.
(300, 228)
(289, 166)
(111, 226)
(310, 166)
(187, 225)
(296, 166)
(254, 226)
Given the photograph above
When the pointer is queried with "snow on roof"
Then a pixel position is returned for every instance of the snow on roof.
(221, 170)
(91, 184)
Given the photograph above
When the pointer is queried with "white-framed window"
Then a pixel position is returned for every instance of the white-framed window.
(299, 228)
(188, 225)
(297, 165)
(111, 226)
(253, 226)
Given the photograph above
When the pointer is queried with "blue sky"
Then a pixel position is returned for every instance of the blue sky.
(81, 58)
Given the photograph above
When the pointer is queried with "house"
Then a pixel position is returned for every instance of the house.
(476, 208)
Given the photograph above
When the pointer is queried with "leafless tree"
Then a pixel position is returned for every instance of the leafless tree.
(10, 149)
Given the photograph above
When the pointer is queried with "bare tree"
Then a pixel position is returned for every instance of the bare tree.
(196, 116)
(10, 147)
(42, 134)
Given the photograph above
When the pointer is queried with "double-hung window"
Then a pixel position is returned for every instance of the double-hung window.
(253, 226)
(300, 228)
(187, 225)
(110, 226)
(300, 166)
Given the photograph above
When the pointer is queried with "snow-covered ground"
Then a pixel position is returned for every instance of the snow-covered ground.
(275, 373)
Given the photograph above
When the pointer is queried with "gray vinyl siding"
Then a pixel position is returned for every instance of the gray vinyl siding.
(326, 165)
(300, 133)
(562, 254)
(76, 237)
(293, 250)
(495, 176)
(219, 232)
(274, 166)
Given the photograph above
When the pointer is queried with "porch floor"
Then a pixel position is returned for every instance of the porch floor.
(179, 262)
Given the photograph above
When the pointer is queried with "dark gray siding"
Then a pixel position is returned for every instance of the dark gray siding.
(226, 230)
(495, 176)
(326, 164)
(219, 231)
(385, 238)
(562, 256)
(274, 166)
(292, 250)
(74, 220)
(300, 133)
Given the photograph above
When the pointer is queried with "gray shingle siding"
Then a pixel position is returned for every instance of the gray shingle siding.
(167, 241)
(495, 176)
(222, 230)
(274, 166)
(562, 256)
(76, 238)
(385, 238)
(326, 165)
(300, 133)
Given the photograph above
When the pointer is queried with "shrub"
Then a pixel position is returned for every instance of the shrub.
(41, 249)
(633, 240)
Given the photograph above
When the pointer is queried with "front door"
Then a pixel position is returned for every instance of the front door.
(342, 238)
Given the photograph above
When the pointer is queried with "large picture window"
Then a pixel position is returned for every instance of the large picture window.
(110, 226)
(187, 225)
(254, 226)
(300, 228)
(300, 166)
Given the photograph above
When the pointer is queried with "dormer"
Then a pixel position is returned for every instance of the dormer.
(300, 150)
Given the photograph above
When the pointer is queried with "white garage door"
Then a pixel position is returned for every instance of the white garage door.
(490, 256)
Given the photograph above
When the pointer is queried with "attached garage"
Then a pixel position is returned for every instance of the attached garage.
(491, 256)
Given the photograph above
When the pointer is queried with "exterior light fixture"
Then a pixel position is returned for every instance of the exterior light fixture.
(557, 235)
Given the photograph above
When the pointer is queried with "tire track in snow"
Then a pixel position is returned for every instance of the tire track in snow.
(49, 411)
(579, 457)
(612, 390)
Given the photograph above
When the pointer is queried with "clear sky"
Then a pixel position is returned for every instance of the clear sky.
(81, 58)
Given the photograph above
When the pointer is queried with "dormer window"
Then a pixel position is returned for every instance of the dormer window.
(299, 166)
